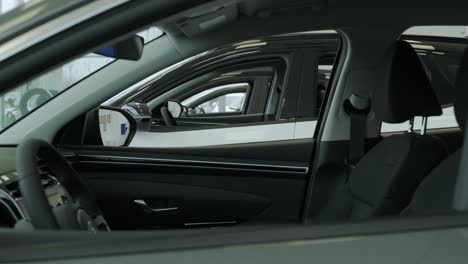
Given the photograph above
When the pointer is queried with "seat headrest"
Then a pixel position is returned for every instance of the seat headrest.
(461, 92)
(405, 90)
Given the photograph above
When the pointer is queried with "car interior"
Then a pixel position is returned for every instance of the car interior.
(279, 116)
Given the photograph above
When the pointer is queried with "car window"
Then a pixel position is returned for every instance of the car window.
(21, 100)
(324, 70)
(234, 95)
(224, 104)
(217, 100)
(239, 103)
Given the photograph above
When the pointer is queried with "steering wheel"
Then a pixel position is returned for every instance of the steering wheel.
(80, 212)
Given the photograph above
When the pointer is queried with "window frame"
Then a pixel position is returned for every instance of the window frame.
(278, 66)
(307, 111)
(287, 49)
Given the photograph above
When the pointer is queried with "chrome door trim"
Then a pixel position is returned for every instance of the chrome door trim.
(197, 163)
(210, 223)
(142, 203)
(56, 26)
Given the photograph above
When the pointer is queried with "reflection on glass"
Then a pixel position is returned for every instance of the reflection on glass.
(21, 100)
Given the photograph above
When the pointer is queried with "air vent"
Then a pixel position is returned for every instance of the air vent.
(13, 189)
(46, 179)
(9, 213)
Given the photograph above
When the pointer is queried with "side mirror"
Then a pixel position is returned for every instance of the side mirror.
(126, 49)
(175, 108)
(116, 126)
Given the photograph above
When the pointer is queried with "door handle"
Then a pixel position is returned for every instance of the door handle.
(142, 204)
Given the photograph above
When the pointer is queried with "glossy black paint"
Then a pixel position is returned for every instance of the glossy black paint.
(274, 47)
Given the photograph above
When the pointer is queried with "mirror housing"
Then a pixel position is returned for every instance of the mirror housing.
(116, 126)
(130, 48)
(137, 110)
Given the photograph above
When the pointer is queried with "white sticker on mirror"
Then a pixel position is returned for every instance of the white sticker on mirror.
(114, 127)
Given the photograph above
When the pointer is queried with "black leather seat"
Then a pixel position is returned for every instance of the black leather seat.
(384, 180)
(436, 192)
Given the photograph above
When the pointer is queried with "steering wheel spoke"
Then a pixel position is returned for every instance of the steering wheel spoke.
(82, 212)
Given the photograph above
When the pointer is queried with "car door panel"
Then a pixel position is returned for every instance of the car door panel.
(205, 189)
(305, 129)
(225, 172)
(193, 205)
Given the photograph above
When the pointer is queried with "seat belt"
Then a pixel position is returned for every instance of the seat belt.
(357, 108)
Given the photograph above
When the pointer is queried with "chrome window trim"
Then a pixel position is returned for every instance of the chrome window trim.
(56, 26)
(146, 83)
(210, 223)
(201, 163)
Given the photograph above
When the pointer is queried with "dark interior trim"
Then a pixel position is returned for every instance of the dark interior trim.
(284, 152)
(109, 159)
(204, 126)
(338, 66)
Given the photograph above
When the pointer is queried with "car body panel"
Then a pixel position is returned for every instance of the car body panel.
(439, 239)
(216, 185)
(215, 136)
(448, 246)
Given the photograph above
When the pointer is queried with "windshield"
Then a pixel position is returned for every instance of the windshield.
(21, 100)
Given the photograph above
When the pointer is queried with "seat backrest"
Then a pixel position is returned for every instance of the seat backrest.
(385, 179)
(436, 192)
